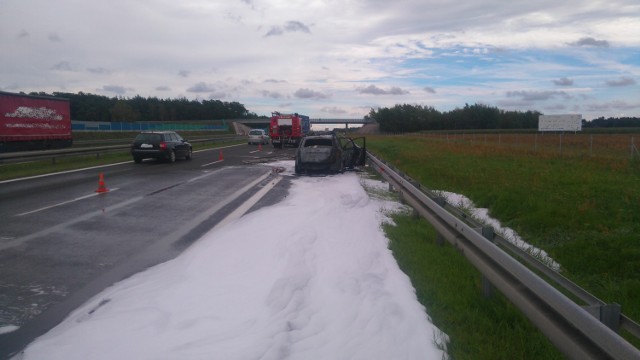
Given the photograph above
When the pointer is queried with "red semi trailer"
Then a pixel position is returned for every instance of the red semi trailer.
(30, 122)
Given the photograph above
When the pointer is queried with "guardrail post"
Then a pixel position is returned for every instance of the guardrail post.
(487, 288)
(608, 314)
(441, 201)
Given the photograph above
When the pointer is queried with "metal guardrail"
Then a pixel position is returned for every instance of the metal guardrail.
(58, 153)
(571, 328)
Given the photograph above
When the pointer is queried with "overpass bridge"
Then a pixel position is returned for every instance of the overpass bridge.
(345, 121)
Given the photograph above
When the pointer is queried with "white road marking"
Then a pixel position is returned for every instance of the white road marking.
(215, 162)
(242, 209)
(63, 203)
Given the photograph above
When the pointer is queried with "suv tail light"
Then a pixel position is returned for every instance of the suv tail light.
(163, 145)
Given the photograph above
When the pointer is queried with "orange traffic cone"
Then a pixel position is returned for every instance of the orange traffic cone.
(221, 157)
(101, 187)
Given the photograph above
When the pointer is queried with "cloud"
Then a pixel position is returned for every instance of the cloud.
(272, 94)
(563, 81)
(115, 89)
(23, 34)
(333, 110)
(623, 81)
(589, 41)
(274, 81)
(217, 95)
(374, 90)
(201, 87)
(163, 88)
(54, 38)
(294, 26)
(309, 94)
(430, 90)
(184, 73)
(537, 95)
(275, 31)
(556, 107)
(62, 66)
(290, 26)
(99, 70)
(614, 105)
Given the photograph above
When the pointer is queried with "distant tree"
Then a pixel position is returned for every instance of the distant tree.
(90, 107)
(122, 111)
(411, 118)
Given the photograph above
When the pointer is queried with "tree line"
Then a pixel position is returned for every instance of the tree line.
(413, 118)
(91, 107)
(611, 122)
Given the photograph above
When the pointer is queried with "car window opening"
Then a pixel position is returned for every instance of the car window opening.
(318, 142)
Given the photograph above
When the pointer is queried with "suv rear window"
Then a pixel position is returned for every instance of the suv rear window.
(146, 137)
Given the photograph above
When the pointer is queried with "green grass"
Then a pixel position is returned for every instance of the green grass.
(450, 289)
(584, 212)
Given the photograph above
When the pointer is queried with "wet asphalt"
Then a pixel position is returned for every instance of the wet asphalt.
(62, 241)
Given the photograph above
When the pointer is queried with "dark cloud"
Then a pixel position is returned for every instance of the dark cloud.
(275, 31)
(23, 34)
(54, 38)
(217, 95)
(290, 26)
(589, 41)
(623, 81)
(537, 95)
(115, 89)
(294, 26)
(201, 87)
(563, 81)
(163, 88)
(274, 81)
(272, 94)
(184, 73)
(62, 66)
(430, 90)
(374, 90)
(309, 94)
(615, 106)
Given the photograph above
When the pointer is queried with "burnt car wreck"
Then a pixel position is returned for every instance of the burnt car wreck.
(329, 153)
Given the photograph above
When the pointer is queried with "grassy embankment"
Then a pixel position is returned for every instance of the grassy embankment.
(584, 211)
(32, 168)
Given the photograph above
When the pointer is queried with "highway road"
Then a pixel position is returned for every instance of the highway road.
(61, 242)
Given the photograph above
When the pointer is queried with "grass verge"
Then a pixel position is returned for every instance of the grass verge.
(450, 289)
(584, 212)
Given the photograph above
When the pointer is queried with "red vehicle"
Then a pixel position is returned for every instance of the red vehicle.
(33, 122)
(288, 129)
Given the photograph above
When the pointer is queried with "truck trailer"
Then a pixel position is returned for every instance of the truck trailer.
(30, 122)
(288, 129)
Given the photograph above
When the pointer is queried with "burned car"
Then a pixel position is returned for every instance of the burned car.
(328, 152)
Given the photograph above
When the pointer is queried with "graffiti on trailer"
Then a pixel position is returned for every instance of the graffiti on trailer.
(41, 113)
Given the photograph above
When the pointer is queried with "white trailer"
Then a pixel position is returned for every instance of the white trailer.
(567, 122)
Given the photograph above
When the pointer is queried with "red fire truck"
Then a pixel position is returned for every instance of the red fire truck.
(288, 129)
(33, 122)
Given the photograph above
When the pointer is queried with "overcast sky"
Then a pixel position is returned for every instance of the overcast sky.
(332, 58)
